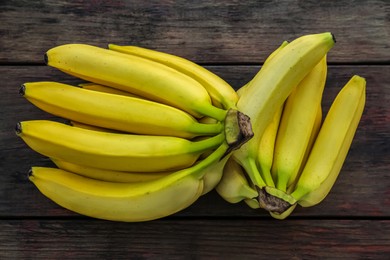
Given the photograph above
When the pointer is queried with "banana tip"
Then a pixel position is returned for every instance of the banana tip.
(30, 174)
(333, 37)
(22, 90)
(46, 59)
(18, 128)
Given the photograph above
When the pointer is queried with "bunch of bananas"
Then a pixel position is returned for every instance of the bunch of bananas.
(150, 132)
(294, 157)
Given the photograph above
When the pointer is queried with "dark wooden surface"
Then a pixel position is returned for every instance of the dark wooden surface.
(231, 38)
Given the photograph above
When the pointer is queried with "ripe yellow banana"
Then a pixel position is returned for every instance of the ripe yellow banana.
(269, 58)
(268, 90)
(332, 144)
(105, 89)
(265, 155)
(107, 175)
(296, 126)
(234, 187)
(134, 74)
(222, 94)
(128, 202)
(128, 114)
(313, 136)
(113, 151)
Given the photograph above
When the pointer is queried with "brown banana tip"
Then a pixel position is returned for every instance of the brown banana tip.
(46, 58)
(18, 128)
(333, 37)
(30, 173)
(22, 90)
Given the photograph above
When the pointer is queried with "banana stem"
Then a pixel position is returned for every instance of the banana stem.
(208, 143)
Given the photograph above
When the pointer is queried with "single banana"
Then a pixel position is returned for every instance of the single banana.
(128, 202)
(234, 187)
(92, 127)
(105, 89)
(128, 114)
(332, 144)
(222, 94)
(268, 59)
(296, 126)
(113, 151)
(134, 74)
(313, 137)
(266, 148)
(107, 175)
(270, 88)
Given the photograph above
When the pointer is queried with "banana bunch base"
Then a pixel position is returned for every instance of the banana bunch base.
(146, 133)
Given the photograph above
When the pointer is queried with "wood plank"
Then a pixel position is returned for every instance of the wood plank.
(361, 190)
(194, 239)
(204, 31)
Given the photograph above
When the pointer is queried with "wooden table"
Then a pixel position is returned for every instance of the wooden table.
(232, 39)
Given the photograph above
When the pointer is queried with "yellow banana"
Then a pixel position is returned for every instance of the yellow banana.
(134, 74)
(105, 89)
(267, 147)
(220, 91)
(313, 136)
(234, 187)
(113, 151)
(332, 144)
(268, 59)
(92, 127)
(112, 111)
(271, 86)
(107, 175)
(296, 126)
(130, 202)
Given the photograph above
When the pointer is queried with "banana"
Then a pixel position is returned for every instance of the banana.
(127, 202)
(222, 94)
(268, 59)
(113, 151)
(313, 136)
(105, 89)
(128, 114)
(107, 175)
(92, 127)
(267, 147)
(271, 86)
(234, 186)
(134, 74)
(332, 144)
(296, 126)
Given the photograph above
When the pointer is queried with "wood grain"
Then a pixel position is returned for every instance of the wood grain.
(204, 31)
(361, 190)
(195, 239)
(232, 38)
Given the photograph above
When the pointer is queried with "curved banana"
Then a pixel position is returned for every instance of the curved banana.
(120, 152)
(107, 175)
(266, 148)
(270, 87)
(313, 136)
(105, 89)
(213, 175)
(128, 114)
(220, 91)
(332, 144)
(134, 74)
(129, 202)
(296, 126)
(268, 59)
(234, 187)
